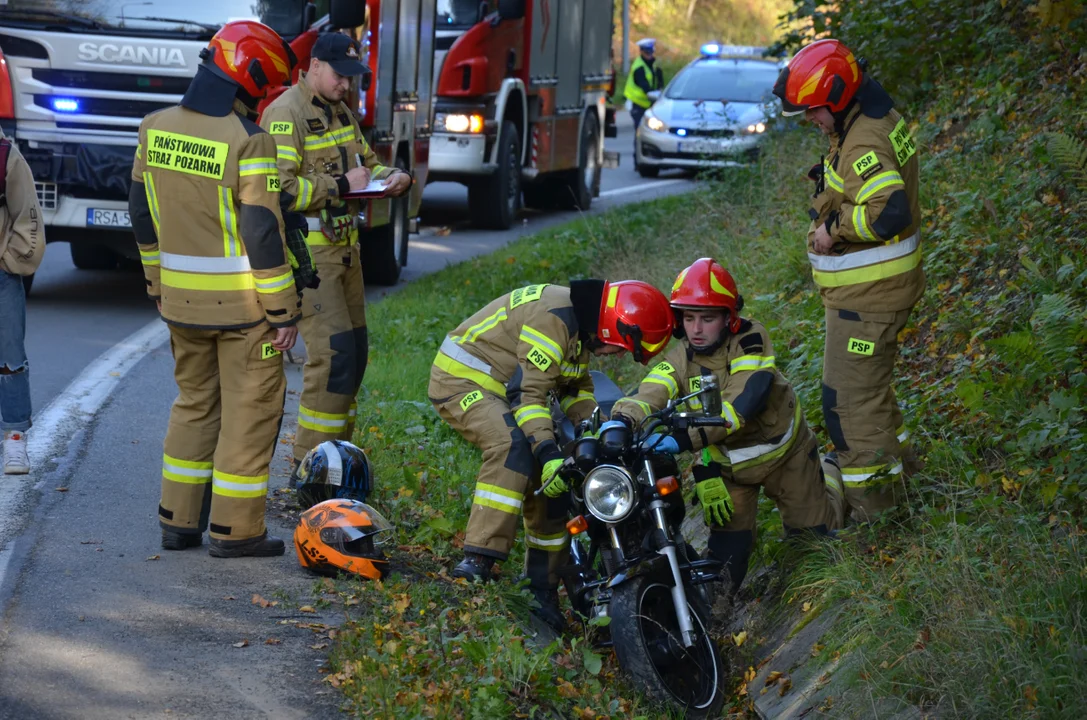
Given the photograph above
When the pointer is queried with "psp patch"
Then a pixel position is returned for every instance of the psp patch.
(268, 352)
(539, 358)
(281, 128)
(470, 399)
(861, 347)
(273, 183)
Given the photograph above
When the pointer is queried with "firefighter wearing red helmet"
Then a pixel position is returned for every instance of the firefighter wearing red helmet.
(864, 245)
(205, 210)
(491, 381)
(767, 444)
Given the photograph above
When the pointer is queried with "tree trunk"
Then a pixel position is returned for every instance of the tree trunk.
(690, 10)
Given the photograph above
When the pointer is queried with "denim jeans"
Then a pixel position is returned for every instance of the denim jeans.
(14, 369)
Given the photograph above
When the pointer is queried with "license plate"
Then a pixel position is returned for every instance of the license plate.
(108, 218)
(699, 147)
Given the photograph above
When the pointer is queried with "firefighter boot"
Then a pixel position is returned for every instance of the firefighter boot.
(548, 610)
(474, 567)
(733, 548)
(264, 546)
(176, 540)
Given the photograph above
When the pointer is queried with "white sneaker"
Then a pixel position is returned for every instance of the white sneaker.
(16, 461)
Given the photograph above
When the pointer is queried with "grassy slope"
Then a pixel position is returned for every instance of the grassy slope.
(971, 596)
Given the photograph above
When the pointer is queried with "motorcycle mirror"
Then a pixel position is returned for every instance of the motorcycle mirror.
(710, 394)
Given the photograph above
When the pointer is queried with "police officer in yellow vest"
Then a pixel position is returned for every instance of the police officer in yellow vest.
(644, 78)
(204, 202)
(322, 156)
(864, 245)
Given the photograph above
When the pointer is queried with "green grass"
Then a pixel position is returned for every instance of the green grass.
(969, 598)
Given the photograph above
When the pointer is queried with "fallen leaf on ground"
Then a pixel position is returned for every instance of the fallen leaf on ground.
(786, 686)
(153, 557)
(805, 607)
(816, 649)
(307, 609)
(272, 641)
(318, 646)
(230, 597)
(258, 600)
(243, 643)
(773, 677)
(740, 638)
(62, 489)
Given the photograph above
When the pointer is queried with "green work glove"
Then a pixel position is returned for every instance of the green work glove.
(716, 502)
(558, 485)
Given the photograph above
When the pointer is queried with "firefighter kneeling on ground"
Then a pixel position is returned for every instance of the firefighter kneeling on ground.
(322, 156)
(491, 382)
(768, 443)
(205, 211)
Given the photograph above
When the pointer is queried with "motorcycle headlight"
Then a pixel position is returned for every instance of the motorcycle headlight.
(609, 493)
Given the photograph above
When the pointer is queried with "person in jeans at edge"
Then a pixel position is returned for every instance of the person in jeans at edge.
(22, 244)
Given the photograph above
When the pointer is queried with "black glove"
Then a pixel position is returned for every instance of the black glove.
(298, 254)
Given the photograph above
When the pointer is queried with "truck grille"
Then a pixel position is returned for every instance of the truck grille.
(107, 107)
(119, 82)
(47, 195)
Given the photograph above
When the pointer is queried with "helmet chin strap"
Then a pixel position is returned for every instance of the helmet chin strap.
(712, 347)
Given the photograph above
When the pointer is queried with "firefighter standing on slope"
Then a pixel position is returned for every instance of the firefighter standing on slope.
(491, 381)
(864, 245)
(768, 442)
(322, 156)
(205, 210)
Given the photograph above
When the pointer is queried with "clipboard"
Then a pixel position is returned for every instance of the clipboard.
(376, 189)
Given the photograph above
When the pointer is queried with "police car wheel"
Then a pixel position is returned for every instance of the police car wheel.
(648, 171)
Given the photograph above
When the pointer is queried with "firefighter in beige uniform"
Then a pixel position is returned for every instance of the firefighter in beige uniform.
(491, 381)
(865, 249)
(322, 156)
(205, 209)
(767, 443)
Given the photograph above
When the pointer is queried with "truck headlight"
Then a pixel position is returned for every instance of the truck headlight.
(654, 123)
(459, 122)
(609, 493)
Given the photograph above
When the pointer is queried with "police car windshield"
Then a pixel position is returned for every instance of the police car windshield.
(152, 17)
(457, 13)
(727, 80)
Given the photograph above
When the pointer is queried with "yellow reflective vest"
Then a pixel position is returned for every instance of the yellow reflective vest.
(868, 200)
(205, 210)
(653, 75)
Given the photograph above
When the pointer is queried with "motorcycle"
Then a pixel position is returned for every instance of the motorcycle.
(629, 562)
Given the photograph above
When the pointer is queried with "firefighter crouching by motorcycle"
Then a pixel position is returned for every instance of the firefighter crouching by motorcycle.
(864, 245)
(205, 209)
(322, 155)
(491, 381)
(768, 443)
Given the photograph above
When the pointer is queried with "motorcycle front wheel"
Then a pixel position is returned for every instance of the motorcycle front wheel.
(649, 646)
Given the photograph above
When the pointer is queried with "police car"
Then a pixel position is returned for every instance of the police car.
(713, 113)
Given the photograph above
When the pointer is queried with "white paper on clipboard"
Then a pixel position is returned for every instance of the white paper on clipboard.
(376, 188)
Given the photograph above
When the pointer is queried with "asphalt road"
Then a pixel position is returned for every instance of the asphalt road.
(95, 620)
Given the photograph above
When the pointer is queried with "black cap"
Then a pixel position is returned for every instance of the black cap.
(339, 51)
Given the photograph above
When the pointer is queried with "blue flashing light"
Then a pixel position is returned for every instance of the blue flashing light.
(682, 132)
(66, 105)
(711, 49)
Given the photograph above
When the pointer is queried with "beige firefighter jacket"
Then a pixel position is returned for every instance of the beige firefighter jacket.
(205, 210)
(22, 233)
(869, 202)
(756, 399)
(522, 347)
(316, 144)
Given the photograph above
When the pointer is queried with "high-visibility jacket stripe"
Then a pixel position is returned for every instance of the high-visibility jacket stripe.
(274, 284)
(487, 323)
(666, 380)
(860, 222)
(305, 195)
(570, 400)
(527, 413)
(287, 152)
(319, 238)
(751, 362)
(877, 183)
(257, 166)
(150, 257)
(834, 180)
(869, 265)
(239, 486)
(461, 370)
(550, 543)
(546, 344)
(763, 453)
(871, 475)
(228, 219)
(199, 264)
(152, 199)
(196, 281)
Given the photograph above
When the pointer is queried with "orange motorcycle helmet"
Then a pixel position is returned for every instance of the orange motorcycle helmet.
(343, 535)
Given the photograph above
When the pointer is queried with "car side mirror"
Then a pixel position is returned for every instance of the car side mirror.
(654, 95)
(511, 9)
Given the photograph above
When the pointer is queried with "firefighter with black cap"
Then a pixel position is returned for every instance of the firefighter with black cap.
(322, 156)
(864, 245)
(767, 444)
(204, 202)
(491, 382)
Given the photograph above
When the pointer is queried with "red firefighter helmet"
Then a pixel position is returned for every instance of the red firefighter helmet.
(823, 74)
(706, 285)
(635, 315)
(250, 55)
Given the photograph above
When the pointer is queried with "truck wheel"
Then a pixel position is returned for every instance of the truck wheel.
(583, 183)
(541, 195)
(648, 171)
(384, 251)
(493, 201)
(92, 256)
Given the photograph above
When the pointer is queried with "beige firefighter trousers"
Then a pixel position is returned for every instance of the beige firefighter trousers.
(222, 431)
(860, 409)
(508, 478)
(333, 326)
(795, 484)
